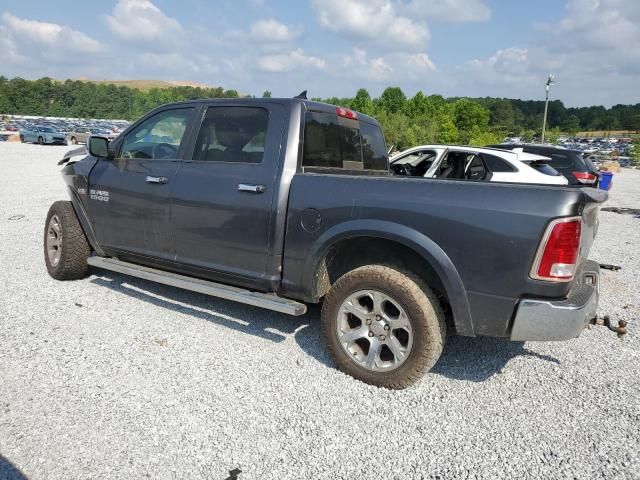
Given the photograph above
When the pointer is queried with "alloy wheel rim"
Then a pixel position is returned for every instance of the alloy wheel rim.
(54, 240)
(374, 330)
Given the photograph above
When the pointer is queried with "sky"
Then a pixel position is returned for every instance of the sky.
(476, 48)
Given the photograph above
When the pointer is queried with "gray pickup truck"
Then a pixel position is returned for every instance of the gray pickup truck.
(278, 203)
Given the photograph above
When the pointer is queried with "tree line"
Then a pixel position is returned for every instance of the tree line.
(80, 99)
(425, 119)
(406, 121)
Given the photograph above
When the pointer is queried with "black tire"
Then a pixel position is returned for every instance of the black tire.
(73, 246)
(40, 141)
(421, 306)
(74, 141)
(21, 138)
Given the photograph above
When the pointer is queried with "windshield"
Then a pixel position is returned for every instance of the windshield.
(416, 157)
(47, 130)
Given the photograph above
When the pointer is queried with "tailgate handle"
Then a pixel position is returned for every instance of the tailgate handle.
(245, 187)
(157, 180)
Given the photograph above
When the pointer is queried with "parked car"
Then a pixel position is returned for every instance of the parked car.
(277, 203)
(81, 134)
(78, 135)
(573, 164)
(42, 135)
(455, 162)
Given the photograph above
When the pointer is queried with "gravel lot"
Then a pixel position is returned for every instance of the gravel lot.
(113, 377)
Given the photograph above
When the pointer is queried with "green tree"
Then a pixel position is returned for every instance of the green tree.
(362, 102)
(635, 154)
(393, 100)
(553, 135)
(468, 115)
(571, 125)
(502, 115)
(447, 131)
(266, 94)
(480, 138)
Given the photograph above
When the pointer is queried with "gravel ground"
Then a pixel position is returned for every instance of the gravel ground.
(113, 377)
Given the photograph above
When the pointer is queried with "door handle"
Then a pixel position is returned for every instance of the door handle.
(157, 180)
(245, 187)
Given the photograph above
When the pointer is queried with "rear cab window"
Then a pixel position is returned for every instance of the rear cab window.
(335, 144)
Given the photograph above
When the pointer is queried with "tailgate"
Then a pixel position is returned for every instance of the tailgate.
(593, 200)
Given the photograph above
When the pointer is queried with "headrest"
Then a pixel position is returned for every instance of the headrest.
(233, 135)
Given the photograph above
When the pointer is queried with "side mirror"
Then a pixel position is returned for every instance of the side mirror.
(99, 147)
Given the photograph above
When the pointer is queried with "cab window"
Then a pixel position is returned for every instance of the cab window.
(232, 134)
(158, 137)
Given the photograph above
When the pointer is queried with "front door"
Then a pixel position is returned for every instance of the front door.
(130, 196)
(223, 209)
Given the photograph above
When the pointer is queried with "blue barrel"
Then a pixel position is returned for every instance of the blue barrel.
(605, 180)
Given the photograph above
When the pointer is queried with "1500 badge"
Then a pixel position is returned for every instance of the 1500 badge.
(99, 195)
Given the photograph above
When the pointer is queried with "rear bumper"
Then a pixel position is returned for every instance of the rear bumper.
(548, 320)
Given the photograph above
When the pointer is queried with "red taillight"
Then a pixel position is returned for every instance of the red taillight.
(585, 178)
(558, 253)
(346, 113)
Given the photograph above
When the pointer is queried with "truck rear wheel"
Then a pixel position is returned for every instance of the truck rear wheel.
(383, 326)
(65, 246)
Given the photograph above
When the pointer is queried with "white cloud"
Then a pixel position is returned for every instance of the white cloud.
(594, 52)
(287, 62)
(371, 20)
(140, 21)
(271, 31)
(389, 67)
(8, 50)
(604, 27)
(455, 11)
(507, 62)
(593, 48)
(48, 36)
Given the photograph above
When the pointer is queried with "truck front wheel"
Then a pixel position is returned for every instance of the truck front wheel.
(65, 246)
(383, 326)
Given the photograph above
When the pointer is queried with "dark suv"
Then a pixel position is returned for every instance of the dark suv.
(570, 163)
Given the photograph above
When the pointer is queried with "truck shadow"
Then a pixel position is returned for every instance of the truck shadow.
(473, 359)
(8, 471)
(255, 321)
(463, 358)
(478, 358)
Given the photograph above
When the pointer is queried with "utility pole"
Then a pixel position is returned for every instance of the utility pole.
(547, 84)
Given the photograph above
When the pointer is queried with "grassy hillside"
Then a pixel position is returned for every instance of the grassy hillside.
(145, 85)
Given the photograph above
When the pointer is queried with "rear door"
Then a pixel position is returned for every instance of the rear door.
(130, 196)
(225, 192)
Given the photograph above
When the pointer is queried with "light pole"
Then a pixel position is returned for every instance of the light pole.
(547, 84)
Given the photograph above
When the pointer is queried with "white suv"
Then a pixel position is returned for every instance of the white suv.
(470, 163)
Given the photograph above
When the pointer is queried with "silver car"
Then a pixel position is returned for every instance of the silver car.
(42, 135)
(79, 135)
(82, 134)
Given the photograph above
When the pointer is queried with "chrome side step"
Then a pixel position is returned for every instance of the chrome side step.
(240, 295)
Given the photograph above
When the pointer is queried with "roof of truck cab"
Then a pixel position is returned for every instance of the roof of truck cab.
(309, 105)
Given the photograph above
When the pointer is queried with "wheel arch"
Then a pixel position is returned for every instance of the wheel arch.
(378, 241)
(85, 223)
